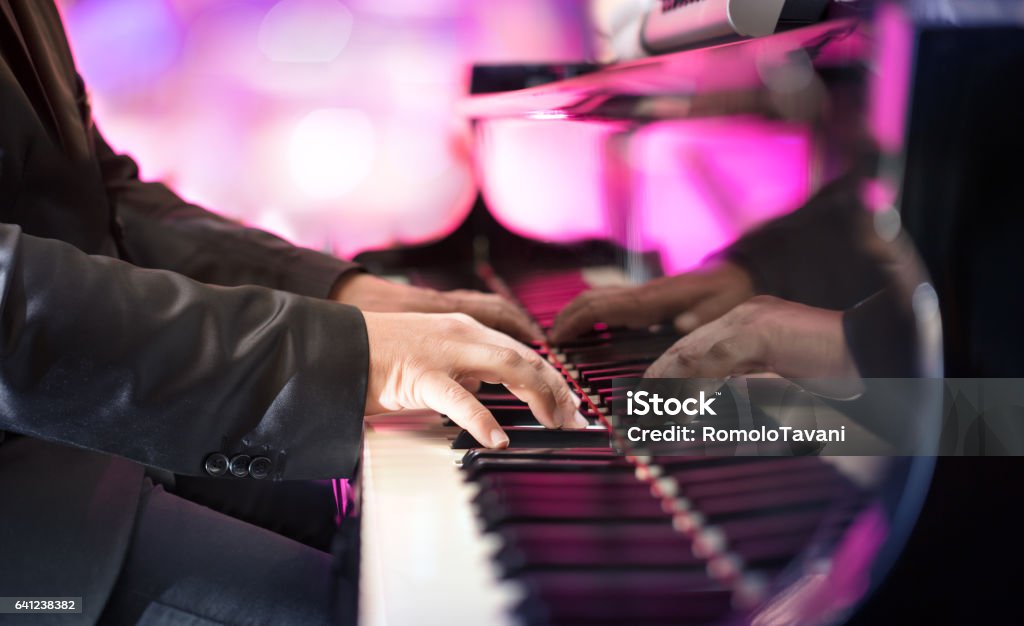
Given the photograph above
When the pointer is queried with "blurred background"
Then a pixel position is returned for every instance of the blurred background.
(329, 123)
(333, 124)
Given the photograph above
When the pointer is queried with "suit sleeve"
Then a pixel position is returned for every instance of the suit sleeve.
(156, 367)
(160, 230)
(881, 332)
(798, 256)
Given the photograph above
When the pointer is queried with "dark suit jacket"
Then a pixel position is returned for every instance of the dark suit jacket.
(224, 344)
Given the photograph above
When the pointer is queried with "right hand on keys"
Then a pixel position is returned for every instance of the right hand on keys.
(690, 300)
(425, 361)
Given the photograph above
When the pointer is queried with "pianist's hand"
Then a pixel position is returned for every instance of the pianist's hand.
(690, 300)
(369, 293)
(421, 361)
(768, 335)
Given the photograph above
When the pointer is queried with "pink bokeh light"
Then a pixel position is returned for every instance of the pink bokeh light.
(329, 122)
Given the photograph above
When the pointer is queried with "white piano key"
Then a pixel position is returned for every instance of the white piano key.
(442, 565)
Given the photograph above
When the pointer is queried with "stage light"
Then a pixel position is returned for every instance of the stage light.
(305, 31)
(331, 151)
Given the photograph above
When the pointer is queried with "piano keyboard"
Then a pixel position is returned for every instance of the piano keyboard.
(560, 529)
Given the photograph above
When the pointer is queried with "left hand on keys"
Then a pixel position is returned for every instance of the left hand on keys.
(768, 335)
(369, 293)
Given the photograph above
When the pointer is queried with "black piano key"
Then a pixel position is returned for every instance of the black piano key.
(536, 545)
(518, 418)
(777, 552)
(543, 457)
(614, 339)
(614, 356)
(509, 408)
(555, 532)
(768, 502)
(541, 454)
(581, 474)
(550, 472)
(507, 415)
(610, 580)
(622, 359)
(492, 388)
(604, 368)
(604, 375)
(692, 469)
(525, 437)
(597, 385)
(801, 522)
(624, 369)
(510, 495)
(604, 510)
(633, 551)
(624, 597)
(502, 397)
(617, 336)
(793, 480)
(734, 536)
(605, 382)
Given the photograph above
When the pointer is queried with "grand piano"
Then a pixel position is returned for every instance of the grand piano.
(614, 175)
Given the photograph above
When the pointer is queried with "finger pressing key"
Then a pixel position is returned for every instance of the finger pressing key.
(442, 394)
(538, 376)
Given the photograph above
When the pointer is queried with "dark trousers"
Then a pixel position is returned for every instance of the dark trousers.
(189, 564)
(304, 510)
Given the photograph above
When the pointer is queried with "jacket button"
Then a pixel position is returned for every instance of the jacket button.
(240, 465)
(260, 467)
(216, 464)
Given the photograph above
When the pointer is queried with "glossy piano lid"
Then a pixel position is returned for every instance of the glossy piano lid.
(665, 86)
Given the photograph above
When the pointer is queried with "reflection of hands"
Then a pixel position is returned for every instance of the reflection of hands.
(690, 299)
(369, 293)
(420, 361)
(768, 335)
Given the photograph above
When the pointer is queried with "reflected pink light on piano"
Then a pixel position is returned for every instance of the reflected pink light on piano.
(699, 184)
(695, 185)
(828, 589)
(891, 82)
(545, 179)
(548, 115)
(343, 496)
